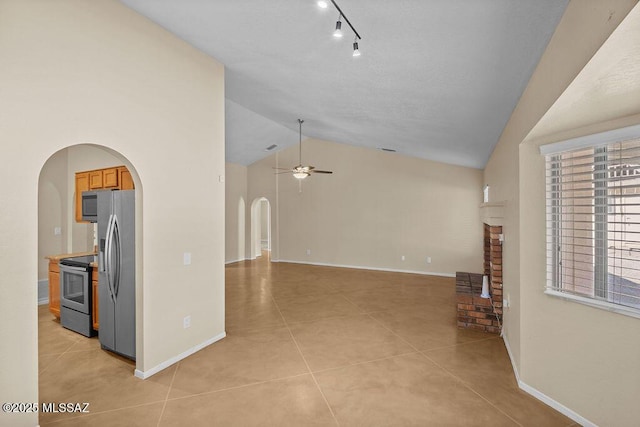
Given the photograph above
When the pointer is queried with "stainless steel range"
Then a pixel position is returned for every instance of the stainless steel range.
(75, 294)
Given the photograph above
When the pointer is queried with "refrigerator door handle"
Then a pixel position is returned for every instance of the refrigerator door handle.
(115, 230)
(109, 260)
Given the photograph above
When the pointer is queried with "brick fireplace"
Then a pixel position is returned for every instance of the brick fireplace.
(475, 312)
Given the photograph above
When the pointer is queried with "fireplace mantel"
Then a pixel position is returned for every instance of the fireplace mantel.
(492, 213)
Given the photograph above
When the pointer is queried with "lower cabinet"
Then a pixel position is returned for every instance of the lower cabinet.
(54, 288)
(94, 298)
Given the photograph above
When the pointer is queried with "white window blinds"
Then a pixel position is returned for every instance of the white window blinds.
(593, 223)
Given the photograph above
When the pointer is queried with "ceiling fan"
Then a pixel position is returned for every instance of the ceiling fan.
(300, 171)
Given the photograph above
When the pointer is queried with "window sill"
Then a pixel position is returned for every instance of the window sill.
(602, 305)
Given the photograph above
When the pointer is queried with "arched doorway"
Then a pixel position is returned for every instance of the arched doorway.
(260, 227)
(59, 233)
(241, 255)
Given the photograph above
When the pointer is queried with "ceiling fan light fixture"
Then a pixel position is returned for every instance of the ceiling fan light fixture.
(300, 175)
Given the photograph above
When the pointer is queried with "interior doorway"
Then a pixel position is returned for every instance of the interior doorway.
(260, 227)
(60, 234)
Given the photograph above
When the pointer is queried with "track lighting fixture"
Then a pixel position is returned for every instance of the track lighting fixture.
(338, 31)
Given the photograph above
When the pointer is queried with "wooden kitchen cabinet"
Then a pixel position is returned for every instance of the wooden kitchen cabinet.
(114, 178)
(54, 288)
(82, 184)
(94, 298)
(110, 178)
(95, 180)
(125, 179)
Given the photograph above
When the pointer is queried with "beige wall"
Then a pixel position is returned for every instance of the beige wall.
(589, 362)
(375, 208)
(558, 348)
(96, 72)
(235, 211)
(52, 210)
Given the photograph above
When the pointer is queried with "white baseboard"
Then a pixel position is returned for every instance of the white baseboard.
(360, 267)
(543, 397)
(513, 363)
(235, 260)
(146, 374)
(555, 405)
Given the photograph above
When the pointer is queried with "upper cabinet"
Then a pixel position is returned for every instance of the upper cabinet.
(110, 178)
(95, 180)
(114, 178)
(124, 178)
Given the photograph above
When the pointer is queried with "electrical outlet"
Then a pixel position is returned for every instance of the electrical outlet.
(428, 260)
(402, 257)
(186, 322)
(187, 258)
(57, 231)
(308, 251)
(506, 302)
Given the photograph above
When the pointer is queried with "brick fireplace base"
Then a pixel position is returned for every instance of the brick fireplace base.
(474, 312)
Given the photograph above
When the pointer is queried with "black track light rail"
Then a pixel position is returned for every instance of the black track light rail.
(346, 19)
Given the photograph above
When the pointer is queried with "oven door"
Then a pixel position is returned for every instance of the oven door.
(74, 288)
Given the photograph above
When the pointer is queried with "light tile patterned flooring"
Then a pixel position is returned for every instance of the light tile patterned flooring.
(305, 346)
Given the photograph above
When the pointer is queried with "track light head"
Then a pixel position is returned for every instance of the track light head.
(356, 51)
(322, 4)
(338, 32)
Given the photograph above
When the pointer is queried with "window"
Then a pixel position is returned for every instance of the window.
(593, 223)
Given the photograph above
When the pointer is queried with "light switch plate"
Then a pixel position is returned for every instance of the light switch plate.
(187, 258)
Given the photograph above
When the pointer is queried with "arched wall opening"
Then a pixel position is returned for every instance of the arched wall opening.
(241, 229)
(58, 231)
(260, 227)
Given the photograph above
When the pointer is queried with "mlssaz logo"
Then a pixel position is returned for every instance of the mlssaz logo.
(65, 407)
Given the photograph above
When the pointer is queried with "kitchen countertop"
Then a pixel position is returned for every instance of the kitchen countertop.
(57, 258)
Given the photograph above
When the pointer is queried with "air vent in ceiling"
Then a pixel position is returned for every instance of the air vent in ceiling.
(271, 147)
(388, 150)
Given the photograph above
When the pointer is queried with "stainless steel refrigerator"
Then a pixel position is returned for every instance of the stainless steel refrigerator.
(116, 271)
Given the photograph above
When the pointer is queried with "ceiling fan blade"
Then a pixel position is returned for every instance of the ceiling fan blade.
(319, 171)
(282, 169)
(283, 172)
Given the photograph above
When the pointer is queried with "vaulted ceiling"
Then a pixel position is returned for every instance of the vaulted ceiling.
(437, 79)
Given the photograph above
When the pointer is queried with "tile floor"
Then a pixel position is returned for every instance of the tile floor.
(305, 346)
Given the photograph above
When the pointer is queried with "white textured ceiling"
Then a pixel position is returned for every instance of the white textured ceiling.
(437, 79)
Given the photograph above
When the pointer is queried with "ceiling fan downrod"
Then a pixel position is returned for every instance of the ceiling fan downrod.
(300, 122)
